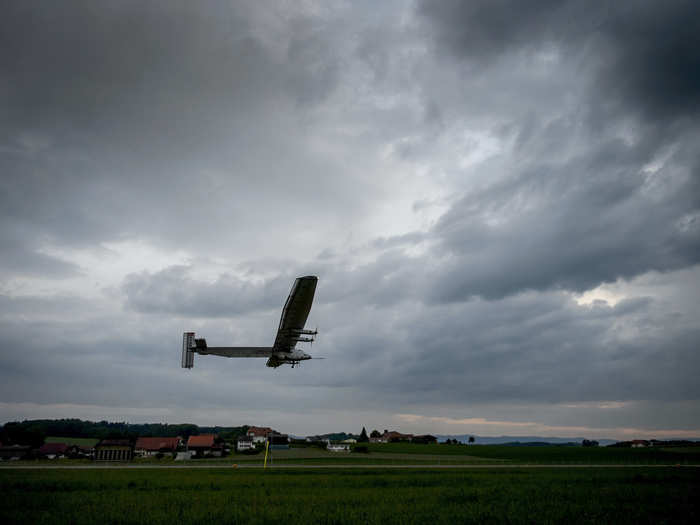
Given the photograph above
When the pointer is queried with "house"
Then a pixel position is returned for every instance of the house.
(151, 446)
(85, 452)
(114, 450)
(638, 443)
(244, 443)
(338, 447)
(349, 440)
(205, 445)
(14, 452)
(393, 437)
(57, 450)
(259, 434)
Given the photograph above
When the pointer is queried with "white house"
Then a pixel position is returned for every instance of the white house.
(259, 434)
(338, 447)
(245, 443)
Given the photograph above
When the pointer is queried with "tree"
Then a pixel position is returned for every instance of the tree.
(375, 433)
(471, 439)
(15, 433)
(363, 436)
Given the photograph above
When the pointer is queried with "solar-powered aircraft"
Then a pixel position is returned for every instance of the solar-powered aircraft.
(290, 332)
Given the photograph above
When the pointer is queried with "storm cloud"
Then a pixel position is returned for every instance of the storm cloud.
(501, 201)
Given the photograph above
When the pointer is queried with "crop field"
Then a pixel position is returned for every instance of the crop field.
(227, 495)
(550, 454)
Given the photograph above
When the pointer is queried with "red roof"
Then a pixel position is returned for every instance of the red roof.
(53, 448)
(114, 443)
(157, 443)
(259, 431)
(205, 440)
(393, 434)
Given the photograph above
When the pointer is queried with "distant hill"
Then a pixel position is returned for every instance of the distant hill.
(522, 440)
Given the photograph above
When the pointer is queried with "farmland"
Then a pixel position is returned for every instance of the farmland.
(83, 442)
(394, 454)
(548, 454)
(350, 496)
(408, 453)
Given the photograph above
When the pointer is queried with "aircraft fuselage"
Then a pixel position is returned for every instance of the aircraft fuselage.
(292, 358)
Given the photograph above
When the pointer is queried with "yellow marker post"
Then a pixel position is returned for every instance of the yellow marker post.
(267, 444)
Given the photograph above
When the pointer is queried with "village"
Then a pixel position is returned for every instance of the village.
(253, 441)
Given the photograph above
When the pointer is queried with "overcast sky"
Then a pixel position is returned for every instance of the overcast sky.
(501, 200)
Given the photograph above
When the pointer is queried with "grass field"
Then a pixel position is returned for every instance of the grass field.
(226, 495)
(83, 442)
(407, 453)
(550, 454)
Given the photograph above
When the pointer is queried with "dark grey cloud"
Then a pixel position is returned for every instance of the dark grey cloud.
(156, 120)
(570, 225)
(594, 192)
(527, 350)
(484, 30)
(654, 59)
(173, 291)
(454, 172)
(21, 260)
(641, 54)
(524, 349)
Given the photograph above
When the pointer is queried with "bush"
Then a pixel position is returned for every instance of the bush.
(361, 448)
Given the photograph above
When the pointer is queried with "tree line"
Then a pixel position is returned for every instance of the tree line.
(33, 432)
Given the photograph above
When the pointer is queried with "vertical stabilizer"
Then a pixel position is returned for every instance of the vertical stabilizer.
(188, 346)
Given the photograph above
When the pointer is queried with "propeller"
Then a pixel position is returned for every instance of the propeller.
(314, 338)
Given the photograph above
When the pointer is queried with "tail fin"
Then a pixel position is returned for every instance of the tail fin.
(188, 345)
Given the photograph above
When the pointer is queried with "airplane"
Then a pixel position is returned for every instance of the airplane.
(290, 332)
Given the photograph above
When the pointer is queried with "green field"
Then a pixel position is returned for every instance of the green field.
(226, 495)
(549, 454)
(392, 454)
(408, 453)
(83, 442)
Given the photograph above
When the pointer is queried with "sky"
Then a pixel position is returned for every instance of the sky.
(501, 201)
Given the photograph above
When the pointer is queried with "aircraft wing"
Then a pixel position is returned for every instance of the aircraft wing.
(294, 315)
